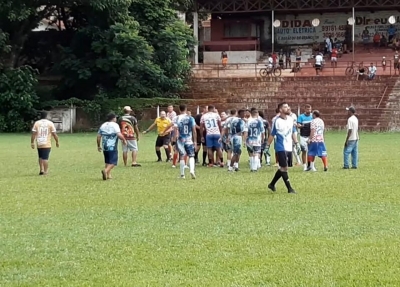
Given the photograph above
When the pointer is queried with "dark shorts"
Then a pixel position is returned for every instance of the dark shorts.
(317, 67)
(298, 58)
(111, 157)
(285, 158)
(163, 140)
(44, 153)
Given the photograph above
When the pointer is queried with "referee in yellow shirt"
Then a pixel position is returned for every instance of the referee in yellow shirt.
(163, 139)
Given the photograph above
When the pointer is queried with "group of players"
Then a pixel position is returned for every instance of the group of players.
(249, 129)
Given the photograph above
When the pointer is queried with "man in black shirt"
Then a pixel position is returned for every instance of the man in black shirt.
(197, 119)
(304, 123)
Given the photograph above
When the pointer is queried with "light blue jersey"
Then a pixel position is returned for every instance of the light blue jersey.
(109, 136)
(255, 130)
(236, 126)
(283, 130)
(185, 124)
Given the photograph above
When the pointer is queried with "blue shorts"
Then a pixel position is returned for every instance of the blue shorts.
(185, 149)
(317, 149)
(253, 149)
(111, 157)
(236, 143)
(44, 153)
(212, 141)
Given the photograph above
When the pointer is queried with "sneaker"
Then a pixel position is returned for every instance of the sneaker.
(193, 175)
(186, 167)
(271, 187)
(236, 169)
(182, 177)
(325, 169)
(345, 167)
(353, 167)
(159, 160)
(311, 169)
(173, 166)
(292, 191)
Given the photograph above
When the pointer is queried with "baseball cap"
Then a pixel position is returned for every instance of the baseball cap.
(351, 109)
(127, 108)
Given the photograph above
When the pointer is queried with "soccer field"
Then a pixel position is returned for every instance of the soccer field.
(146, 227)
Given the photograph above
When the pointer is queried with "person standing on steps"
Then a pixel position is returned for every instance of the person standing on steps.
(130, 131)
(352, 138)
(224, 59)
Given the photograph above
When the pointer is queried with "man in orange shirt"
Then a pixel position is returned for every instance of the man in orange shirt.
(334, 56)
(43, 130)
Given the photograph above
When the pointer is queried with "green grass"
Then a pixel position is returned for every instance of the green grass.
(147, 228)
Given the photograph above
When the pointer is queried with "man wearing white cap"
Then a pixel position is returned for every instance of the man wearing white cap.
(130, 131)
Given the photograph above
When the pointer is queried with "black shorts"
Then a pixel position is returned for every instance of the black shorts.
(317, 67)
(44, 153)
(199, 142)
(285, 158)
(163, 140)
(298, 58)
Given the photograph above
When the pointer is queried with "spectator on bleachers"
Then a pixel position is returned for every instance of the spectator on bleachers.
(391, 32)
(371, 71)
(384, 41)
(377, 40)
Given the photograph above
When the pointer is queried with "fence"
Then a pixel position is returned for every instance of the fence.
(343, 68)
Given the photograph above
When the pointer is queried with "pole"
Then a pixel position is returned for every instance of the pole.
(158, 111)
(273, 30)
(71, 120)
(353, 28)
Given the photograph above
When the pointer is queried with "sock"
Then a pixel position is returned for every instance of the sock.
(276, 158)
(312, 165)
(191, 164)
(196, 156)
(182, 166)
(251, 163)
(236, 165)
(258, 162)
(210, 160)
(175, 159)
(277, 176)
(325, 161)
(228, 162)
(308, 164)
(221, 160)
(167, 153)
(158, 154)
(204, 157)
(285, 178)
(268, 159)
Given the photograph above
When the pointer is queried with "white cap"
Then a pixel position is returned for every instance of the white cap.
(127, 108)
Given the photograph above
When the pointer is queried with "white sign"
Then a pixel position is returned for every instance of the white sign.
(300, 29)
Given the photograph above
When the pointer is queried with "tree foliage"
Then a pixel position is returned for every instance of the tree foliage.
(117, 49)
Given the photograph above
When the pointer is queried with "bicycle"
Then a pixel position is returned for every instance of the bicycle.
(265, 72)
(353, 69)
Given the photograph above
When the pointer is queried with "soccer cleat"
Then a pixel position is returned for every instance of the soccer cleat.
(325, 169)
(41, 173)
(173, 166)
(193, 175)
(159, 160)
(236, 169)
(182, 177)
(271, 187)
(292, 191)
(311, 169)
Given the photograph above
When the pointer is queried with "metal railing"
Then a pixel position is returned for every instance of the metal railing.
(289, 69)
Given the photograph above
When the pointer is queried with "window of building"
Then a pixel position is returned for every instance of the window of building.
(236, 30)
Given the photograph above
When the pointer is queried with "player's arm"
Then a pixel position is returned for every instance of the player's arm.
(299, 122)
(194, 134)
(312, 132)
(33, 137)
(55, 135)
(98, 141)
(136, 129)
(151, 127)
(202, 131)
(350, 129)
(121, 137)
(167, 128)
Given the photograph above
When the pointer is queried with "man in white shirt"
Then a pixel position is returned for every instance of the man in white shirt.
(318, 63)
(372, 71)
(352, 138)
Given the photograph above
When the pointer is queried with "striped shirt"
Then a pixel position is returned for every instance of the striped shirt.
(318, 126)
(211, 122)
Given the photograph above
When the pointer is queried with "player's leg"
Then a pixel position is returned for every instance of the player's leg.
(189, 149)
(125, 150)
(181, 149)
(209, 144)
(135, 149)
(45, 154)
(354, 155)
(205, 152)
(113, 157)
(289, 156)
(176, 154)
(312, 153)
(249, 149)
(218, 151)
(40, 161)
(166, 144)
(159, 144)
(237, 149)
(256, 157)
(304, 149)
(323, 154)
(346, 153)
(198, 146)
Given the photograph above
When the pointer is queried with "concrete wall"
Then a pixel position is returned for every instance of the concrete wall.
(239, 57)
(63, 118)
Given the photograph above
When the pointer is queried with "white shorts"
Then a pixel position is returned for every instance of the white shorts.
(333, 59)
(131, 145)
(303, 143)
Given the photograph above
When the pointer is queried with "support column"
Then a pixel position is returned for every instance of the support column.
(273, 30)
(196, 36)
(352, 31)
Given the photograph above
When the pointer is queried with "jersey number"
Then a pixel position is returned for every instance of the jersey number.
(211, 124)
(253, 132)
(185, 129)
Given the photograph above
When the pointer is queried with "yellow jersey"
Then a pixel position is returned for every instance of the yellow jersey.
(44, 130)
(162, 124)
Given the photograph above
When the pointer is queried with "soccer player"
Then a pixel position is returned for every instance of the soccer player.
(282, 129)
(297, 156)
(163, 138)
(224, 137)
(186, 139)
(316, 143)
(267, 132)
(211, 123)
(277, 115)
(171, 114)
(199, 136)
(130, 131)
(304, 123)
(107, 141)
(236, 129)
(254, 139)
(43, 130)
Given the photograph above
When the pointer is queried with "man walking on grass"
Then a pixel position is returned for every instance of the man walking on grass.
(130, 131)
(352, 138)
(107, 142)
(43, 130)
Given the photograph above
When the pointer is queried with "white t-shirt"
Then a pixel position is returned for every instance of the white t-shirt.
(372, 70)
(352, 124)
(282, 130)
(318, 60)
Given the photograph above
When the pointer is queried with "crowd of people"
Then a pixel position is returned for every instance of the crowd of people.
(222, 137)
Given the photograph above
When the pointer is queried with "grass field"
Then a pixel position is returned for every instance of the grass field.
(147, 228)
